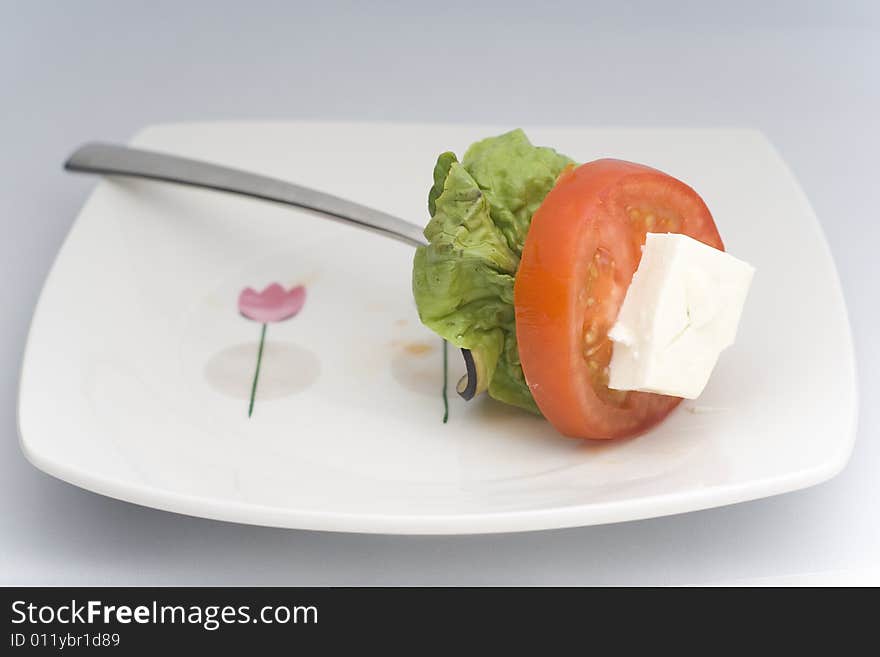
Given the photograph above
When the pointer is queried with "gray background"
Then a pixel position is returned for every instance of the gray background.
(806, 73)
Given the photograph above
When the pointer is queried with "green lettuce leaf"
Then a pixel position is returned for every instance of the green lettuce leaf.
(480, 210)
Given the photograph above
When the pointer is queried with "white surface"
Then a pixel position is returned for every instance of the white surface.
(801, 72)
(138, 367)
(680, 312)
(866, 577)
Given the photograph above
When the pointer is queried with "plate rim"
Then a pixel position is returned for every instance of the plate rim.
(559, 517)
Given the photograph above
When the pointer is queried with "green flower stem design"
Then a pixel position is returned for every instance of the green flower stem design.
(257, 371)
(445, 380)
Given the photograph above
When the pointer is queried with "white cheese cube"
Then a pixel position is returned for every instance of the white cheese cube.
(680, 311)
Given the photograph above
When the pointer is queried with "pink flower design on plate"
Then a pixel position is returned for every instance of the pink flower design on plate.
(273, 304)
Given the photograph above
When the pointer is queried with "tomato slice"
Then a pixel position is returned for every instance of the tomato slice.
(581, 251)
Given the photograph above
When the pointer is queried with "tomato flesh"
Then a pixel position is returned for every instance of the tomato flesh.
(583, 246)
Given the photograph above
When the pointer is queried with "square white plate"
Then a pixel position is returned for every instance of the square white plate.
(138, 366)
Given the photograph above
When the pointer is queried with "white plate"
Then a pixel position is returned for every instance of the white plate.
(138, 365)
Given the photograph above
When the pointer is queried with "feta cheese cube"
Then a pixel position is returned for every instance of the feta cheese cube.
(680, 312)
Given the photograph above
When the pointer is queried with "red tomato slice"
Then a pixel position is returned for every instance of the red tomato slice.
(583, 246)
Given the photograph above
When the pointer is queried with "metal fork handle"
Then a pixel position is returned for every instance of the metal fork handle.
(112, 159)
